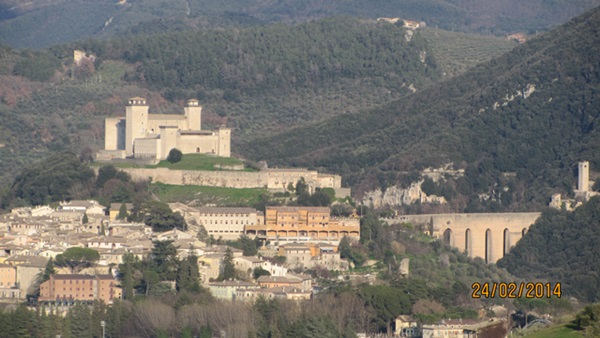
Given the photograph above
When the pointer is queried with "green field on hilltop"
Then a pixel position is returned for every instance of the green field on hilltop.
(207, 195)
(199, 162)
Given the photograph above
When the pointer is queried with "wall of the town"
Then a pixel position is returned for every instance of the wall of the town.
(228, 179)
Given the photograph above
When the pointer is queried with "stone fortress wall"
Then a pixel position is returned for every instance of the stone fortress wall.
(226, 179)
(274, 179)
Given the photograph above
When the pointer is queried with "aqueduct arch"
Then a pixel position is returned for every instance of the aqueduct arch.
(448, 239)
(489, 236)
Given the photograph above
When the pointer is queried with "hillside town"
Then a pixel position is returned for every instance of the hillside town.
(32, 236)
(295, 239)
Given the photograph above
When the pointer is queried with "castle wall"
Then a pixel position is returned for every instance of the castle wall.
(487, 235)
(111, 133)
(198, 143)
(147, 147)
(157, 121)
(329, 181)
(281, 178)
(163, 175)
(226, 179)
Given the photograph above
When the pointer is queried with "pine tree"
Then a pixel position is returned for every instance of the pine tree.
(99, 314)
(80, 321)
(48, 271)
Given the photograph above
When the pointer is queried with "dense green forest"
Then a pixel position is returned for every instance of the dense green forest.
(64, 176)
(278, 57)
(71, 20)
(562, 247)
(530, 112)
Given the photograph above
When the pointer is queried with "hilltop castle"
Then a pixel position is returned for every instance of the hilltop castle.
(143, 135)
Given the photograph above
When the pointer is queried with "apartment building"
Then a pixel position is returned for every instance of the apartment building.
(80, 288)
(227, 223)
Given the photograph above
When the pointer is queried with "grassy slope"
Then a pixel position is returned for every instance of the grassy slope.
(207, 195)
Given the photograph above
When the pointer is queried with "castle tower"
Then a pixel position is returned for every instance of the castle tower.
(583, 182)
(193, 113)
(168, 140)
(136, 117)
(224, 142)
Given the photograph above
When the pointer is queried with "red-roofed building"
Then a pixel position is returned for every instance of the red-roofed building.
(80, 288)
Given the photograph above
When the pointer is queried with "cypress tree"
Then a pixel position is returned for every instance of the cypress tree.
(228, 266)
(122, 212)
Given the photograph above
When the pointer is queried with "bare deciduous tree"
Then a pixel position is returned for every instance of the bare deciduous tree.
(152, 317)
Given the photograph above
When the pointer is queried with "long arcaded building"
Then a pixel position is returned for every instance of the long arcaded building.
(304, 224)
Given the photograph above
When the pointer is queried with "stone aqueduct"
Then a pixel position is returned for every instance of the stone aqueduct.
(486, 235)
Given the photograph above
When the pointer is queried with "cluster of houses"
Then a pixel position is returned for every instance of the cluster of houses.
(307, 236)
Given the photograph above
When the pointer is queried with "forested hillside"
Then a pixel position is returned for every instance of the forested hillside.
(275, 58)
(531, 113)
(257, 81)
(42, 23)
(562, 247)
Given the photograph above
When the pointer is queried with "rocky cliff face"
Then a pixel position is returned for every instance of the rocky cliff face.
(396, 196)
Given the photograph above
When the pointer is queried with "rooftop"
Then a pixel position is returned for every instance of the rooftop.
(296, 209)
(226, 210)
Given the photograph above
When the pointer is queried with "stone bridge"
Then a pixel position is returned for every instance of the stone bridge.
(486, 235)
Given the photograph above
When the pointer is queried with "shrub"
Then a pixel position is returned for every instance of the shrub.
(175, 155)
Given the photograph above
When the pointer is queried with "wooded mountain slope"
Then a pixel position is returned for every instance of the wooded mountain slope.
(257, 81)
(562, 247)
(42, 23)
(531, 111)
